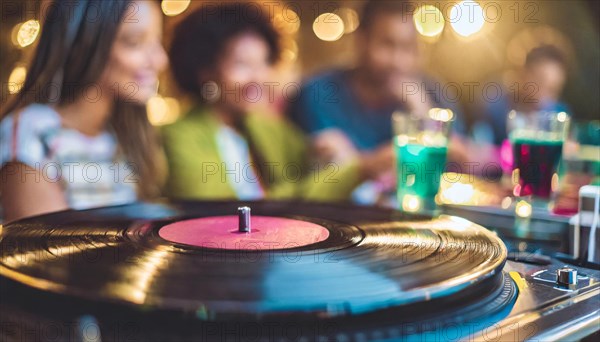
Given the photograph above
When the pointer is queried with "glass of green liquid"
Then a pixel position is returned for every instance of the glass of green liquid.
(421, 144)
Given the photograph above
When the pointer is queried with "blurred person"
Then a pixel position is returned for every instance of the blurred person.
(353, 108)
(77, 134)
(539, 87)
(227, 146)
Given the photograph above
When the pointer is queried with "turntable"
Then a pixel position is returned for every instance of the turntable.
(279, 271)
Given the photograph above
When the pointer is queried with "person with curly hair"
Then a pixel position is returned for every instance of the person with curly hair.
(226, 147)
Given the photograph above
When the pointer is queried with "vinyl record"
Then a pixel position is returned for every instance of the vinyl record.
(336, 260)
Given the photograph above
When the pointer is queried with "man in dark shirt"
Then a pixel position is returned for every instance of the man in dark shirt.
(329, 101)
(358, 104)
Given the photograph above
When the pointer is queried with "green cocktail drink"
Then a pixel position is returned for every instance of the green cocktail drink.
(421, 151)
(420, 169)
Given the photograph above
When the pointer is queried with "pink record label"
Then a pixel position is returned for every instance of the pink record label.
(222, 232)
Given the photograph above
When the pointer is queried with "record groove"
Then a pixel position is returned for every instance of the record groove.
(371, 260)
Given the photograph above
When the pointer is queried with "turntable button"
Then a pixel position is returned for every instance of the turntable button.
(566, 277)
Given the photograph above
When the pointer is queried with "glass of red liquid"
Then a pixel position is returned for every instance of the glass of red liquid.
(537, 143)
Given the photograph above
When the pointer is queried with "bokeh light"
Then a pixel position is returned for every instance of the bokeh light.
(163, 110)
(328, 27)
(562, 117)
(458, 189)
(467, 18)
(16, 79)
(523, 209)
(350, 19)
(506, 202)
(411, 203)
(174, 7)
(441, 114)
(26, 33)
(458, 193)
(429, 21)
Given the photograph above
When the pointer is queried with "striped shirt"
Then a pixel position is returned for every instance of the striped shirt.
(89, 169)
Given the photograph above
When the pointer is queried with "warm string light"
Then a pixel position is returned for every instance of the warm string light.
(467, 18)
(328, 27)
(429, 21)
(16, 79)
(25, 34)
(332, 26)
(174, 7)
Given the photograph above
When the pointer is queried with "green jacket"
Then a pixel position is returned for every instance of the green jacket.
(196, 171)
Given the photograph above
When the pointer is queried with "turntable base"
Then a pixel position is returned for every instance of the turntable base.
(144, 272)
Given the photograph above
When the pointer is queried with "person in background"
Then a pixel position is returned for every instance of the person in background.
(350, 111)
(227, 147)
(540, 86)
(77, 134)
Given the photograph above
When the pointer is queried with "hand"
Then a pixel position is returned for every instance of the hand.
(379, 162)
(387, 180)
(333, 146)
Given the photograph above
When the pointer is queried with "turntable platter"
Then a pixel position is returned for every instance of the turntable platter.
(356, 260)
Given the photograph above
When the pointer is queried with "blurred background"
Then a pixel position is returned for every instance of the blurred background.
(488, 49)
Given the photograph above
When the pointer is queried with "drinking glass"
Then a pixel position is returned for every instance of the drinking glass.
(421, 145)
(580, 165)
(537, 143)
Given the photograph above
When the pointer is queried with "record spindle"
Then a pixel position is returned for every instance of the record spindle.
(244, 219)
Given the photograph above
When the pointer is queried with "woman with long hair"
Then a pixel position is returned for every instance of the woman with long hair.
(77, 135)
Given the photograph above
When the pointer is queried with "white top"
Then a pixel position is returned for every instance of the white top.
(89, 168)
(239, 171)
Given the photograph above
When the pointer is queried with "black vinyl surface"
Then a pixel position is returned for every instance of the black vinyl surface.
(378, 268)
